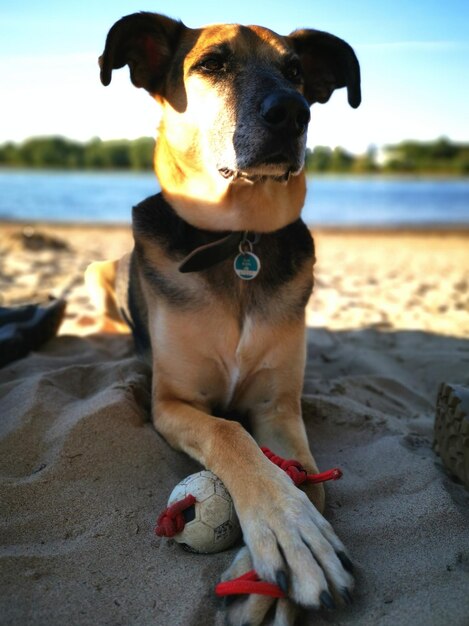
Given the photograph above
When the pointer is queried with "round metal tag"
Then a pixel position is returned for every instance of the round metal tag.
(247, 265)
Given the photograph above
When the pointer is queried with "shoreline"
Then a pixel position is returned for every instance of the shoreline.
(353, 229)
(309, 173)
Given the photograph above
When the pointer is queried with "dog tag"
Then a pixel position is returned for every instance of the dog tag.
(247, 265)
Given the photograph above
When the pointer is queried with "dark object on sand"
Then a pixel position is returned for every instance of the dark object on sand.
(26, 328)
(32, 239)
(452, 429)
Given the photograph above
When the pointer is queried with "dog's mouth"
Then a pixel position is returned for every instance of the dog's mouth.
(253, 177)
(277, 167)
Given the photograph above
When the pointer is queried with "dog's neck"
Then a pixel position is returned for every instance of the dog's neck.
(209, 201)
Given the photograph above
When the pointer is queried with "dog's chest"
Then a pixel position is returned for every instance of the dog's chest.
(228, 359)
(210, 331)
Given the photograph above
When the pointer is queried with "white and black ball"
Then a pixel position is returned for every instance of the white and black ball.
(211, 523)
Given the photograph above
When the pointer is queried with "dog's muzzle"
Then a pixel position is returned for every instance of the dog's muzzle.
(273, 149)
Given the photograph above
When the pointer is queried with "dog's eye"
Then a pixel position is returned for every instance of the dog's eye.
(293, 72)
(212, 64)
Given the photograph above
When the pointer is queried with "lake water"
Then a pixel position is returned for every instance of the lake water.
(331, 200)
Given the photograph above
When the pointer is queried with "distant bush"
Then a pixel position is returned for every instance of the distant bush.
(433, 157)
(62, 153)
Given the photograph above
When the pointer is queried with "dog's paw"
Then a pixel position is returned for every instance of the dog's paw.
(255, 610)
(291, 544)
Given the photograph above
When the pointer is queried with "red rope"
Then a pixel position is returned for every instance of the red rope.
(171, 522)
(297, 472)
(248, 583)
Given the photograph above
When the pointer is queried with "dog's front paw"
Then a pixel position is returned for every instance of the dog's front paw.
(255, 609)
(291, 544)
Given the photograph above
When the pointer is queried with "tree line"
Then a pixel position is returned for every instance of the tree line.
(408, 157)
(441, 156)
(62, 153)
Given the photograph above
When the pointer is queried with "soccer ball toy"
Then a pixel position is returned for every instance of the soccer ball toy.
(200, 515)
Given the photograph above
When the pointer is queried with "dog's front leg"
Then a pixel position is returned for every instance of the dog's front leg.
(223, 446)
(272, 397)
(288, 540)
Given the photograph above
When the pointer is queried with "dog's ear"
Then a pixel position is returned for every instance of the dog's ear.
(146, 43)
(328, 63)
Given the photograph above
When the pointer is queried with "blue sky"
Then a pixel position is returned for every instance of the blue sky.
(414, 58)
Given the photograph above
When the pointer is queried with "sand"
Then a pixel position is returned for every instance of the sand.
(83, 475)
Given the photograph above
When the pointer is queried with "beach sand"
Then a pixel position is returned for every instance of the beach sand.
(83, 475)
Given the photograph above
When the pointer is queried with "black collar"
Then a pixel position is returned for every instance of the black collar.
(215, 252)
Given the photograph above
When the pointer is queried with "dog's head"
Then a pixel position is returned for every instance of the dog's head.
(235, 111)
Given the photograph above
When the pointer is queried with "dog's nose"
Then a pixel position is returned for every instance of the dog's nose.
(286, 110)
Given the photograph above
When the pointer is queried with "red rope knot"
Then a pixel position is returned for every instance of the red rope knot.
(171, 521)
(293, 468)
(297, 472)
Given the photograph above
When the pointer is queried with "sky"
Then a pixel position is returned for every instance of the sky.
(414, 59)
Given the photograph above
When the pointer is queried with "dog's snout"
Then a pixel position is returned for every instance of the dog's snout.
(286, 110)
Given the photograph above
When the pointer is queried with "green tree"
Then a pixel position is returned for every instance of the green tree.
(341, 161)
(10, 155)
(141, 153)
(319, 159)
(51, 152)
(94, 157)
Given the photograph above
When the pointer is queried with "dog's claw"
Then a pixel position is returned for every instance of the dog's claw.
(346, 562)
(229, 600)
(282, 581)
(346, 597)
(327, 601)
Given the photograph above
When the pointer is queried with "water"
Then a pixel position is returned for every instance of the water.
(337, 201)
(72, 196)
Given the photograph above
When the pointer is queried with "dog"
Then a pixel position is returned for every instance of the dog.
(216, 286)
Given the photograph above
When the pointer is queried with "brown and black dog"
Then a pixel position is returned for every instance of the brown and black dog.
(229, 157)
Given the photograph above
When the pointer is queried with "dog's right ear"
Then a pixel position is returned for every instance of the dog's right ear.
(146, 43)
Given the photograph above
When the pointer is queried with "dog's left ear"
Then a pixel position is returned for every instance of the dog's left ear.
(328, 63)
(146, 43)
